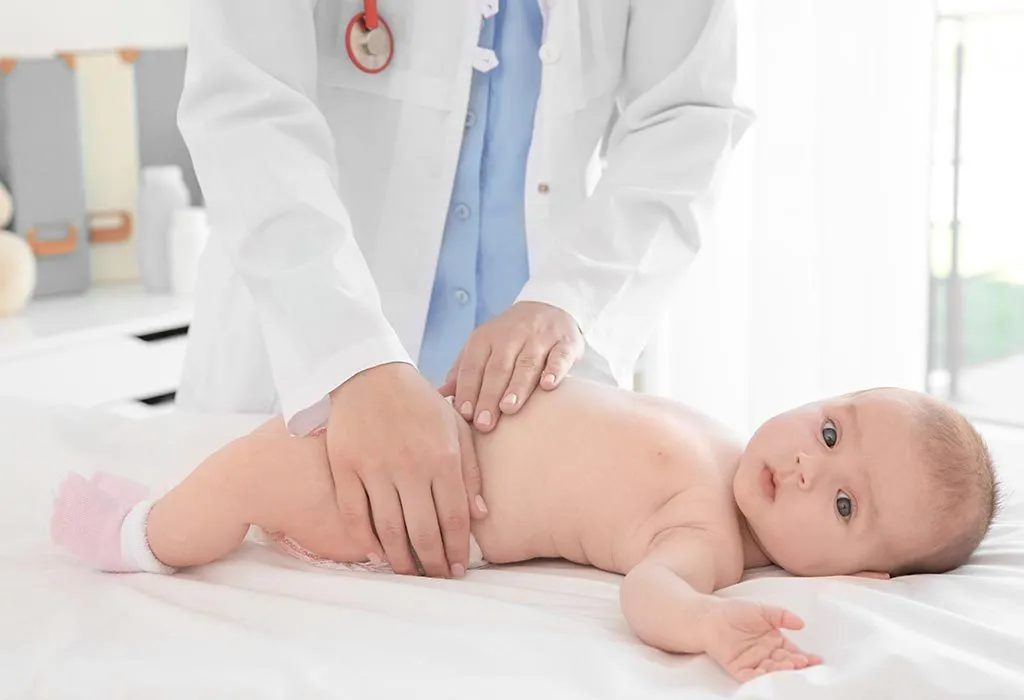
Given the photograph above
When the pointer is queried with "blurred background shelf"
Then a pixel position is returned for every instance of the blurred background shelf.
(115, 347)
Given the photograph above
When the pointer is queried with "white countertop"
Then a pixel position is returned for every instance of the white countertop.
(53, 322)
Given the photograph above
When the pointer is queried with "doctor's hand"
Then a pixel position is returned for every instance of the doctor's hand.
(404, 470)
(506, 358)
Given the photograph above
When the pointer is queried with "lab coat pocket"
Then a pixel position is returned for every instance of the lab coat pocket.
(425, 63)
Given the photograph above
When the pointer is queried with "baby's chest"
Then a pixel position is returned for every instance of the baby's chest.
(706, 509)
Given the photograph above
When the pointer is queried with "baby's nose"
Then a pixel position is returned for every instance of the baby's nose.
(806, 471)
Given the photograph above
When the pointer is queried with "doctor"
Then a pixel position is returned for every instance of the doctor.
(399, 196)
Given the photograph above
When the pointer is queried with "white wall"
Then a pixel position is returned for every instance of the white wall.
(45, 27)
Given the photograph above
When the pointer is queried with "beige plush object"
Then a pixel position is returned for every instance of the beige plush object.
(17, 273)
(6, 206)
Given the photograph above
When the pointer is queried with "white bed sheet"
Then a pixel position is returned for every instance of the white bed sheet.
(260, 625)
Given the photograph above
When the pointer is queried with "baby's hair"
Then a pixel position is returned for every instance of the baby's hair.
(961, 469)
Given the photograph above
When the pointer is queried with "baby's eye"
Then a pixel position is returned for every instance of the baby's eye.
(844, 505)
(830, 434)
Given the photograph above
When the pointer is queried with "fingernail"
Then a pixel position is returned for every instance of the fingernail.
(480, 505)
(484, 419)
(374, 559)
(467, 409)
(510, 400)
(549, 380)
(458, 570)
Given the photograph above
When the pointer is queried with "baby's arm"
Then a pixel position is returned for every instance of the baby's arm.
(667, 601)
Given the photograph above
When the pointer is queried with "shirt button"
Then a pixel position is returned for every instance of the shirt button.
(543, 188)
(470, 119)
(484, 60)
(488, 8)
(550, 53)
(462, 211)
(462, 296)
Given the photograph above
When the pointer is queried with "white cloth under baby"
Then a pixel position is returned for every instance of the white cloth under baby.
(291, 547)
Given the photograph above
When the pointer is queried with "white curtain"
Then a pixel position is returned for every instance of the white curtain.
(815, 280)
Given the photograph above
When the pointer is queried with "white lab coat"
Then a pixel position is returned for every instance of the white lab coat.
(328, 188)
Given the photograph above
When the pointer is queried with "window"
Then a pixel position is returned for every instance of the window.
(976, 348)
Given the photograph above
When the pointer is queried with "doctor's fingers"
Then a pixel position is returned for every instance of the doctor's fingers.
(453, 518)
(354, 515)
(560, 360)
(424, 530)
(453, 374)
(525, 377)
(472, 483)
(391, 529)
(494, 386)
(470, 376)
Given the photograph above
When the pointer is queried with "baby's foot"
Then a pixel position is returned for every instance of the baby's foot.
(123, 489)
(102, 521)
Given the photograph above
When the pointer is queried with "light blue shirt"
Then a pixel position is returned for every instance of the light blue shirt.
(483, 263)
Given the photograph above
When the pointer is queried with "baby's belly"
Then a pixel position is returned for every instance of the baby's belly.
(571, 477)
(520, 523)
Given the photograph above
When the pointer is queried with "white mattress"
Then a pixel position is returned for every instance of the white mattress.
(260, 625)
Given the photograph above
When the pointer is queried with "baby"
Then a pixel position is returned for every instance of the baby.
(881, 483)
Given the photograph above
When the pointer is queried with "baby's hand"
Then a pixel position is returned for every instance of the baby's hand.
(745, 639)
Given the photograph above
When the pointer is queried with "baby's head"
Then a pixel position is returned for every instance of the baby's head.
(885, 480)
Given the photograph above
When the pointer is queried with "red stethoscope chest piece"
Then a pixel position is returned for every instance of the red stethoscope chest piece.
(368, 40)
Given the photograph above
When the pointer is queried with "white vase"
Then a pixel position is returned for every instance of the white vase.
(162, 191)
(189, 231)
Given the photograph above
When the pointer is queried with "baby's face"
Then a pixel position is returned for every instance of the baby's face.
(837, 487)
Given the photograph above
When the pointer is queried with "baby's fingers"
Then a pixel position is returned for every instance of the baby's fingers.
(777, 662)
(797, 653)
(781, 618)
(783, 656)
(747, 674)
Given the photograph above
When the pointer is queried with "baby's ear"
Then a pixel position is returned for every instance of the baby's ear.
(873, 574)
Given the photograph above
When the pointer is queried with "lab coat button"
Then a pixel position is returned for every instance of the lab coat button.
(488, 8)
(543, 188)
(470, 119)
(550, 53)
(462, 211)
(485, 60)
(462, 296)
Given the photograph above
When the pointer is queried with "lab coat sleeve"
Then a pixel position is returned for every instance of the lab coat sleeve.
(265, 160)
(616, 270)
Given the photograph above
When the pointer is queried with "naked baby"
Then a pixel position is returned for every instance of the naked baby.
(882, 482)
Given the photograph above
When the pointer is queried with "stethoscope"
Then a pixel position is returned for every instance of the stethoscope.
(368, 40)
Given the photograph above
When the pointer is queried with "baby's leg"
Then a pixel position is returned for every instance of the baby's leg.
(267, 478)
(201, 519)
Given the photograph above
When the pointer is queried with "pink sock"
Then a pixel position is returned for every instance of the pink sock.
(126, 491)
(102, 521)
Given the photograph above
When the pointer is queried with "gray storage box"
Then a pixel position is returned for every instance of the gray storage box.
(41, 163)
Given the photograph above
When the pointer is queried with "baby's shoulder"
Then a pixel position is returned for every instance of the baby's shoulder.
(704, 511)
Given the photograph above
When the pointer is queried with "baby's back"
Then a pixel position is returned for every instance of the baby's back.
(591, 474)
